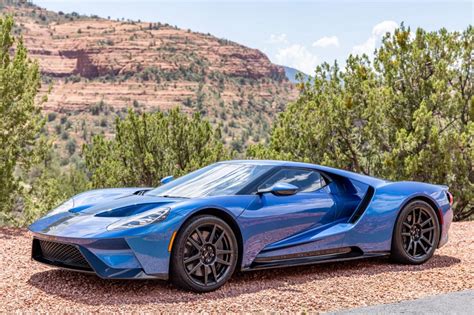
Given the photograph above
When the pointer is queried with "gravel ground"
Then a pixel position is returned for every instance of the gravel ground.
(31, 287)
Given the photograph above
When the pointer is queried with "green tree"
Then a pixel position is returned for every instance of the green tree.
(20, 118)
(71, 146)
(406, 115)
(150, 146)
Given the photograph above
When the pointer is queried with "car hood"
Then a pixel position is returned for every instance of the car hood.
(90, 217)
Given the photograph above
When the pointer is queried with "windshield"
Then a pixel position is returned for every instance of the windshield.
(214, 180)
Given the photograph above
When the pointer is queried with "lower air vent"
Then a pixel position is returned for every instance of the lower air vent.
(59, 254)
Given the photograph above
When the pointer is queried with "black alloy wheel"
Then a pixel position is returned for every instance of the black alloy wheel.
(416, 234)
(204, 254)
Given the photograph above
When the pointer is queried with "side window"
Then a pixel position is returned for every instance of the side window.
(305, 180)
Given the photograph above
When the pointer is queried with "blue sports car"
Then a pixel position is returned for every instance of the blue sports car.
(198, 229)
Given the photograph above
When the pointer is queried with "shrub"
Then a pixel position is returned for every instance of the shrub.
(150, 146)
(52, 116)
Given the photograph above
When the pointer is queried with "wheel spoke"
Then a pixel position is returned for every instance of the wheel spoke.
(214, 272)
(193, 242)
(414, 248)
(205, 275)
(426, 240)
(222, 262)
(427, 229)
(407, 225)
(223, 251)
(220, 237)
(426, 222)
(196, 268)
(213, 233)
(419, 216)
(409, 245)
(201, 238)
(422, 247)
(405, 234)
(193, 258)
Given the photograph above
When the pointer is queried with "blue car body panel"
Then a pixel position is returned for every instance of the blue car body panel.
(353, 211)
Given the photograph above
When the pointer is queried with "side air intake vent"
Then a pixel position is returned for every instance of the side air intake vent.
(363, 205)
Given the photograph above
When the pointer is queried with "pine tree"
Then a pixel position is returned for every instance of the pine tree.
(20, 118)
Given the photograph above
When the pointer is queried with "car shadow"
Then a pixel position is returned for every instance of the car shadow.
(91, 290)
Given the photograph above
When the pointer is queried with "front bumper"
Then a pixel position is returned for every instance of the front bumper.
(140, 252)
(108, 258)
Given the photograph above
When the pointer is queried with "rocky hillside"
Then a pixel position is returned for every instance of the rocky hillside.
(98, 68)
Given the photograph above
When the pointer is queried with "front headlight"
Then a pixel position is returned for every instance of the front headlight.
(62, 208)
(141, 219)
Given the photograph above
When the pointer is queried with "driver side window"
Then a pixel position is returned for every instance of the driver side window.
(305, 180)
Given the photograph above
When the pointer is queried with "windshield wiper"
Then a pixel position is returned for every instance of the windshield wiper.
(169, 196)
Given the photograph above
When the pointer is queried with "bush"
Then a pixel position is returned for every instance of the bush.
(52, 116)
(103, 122)
(150, 146)
(97, 108)
(64, 135)
(71, 146)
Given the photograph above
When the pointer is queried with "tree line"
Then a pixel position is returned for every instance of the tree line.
(404, 113)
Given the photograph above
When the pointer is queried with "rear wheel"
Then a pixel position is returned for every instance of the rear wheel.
(204, 254)
(416, 234)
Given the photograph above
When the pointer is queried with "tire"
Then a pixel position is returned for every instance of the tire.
(204, 254)
(416, 234)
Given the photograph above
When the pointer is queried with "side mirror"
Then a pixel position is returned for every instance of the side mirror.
(280, 189)
(166, 179)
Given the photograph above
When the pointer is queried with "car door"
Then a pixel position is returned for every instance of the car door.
(270, 220)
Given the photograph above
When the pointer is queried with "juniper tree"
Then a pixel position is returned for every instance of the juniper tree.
(20, 117)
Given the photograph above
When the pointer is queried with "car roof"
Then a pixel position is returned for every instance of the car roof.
(335, 171)
(273, 163)
(255, 162)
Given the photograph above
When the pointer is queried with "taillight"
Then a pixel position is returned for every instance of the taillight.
(450, 198)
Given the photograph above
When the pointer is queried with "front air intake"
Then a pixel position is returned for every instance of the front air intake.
(59, 254)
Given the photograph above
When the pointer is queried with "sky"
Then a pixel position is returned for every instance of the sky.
(299, 34)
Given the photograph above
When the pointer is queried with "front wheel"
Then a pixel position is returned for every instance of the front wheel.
(416, 234)
(204, 254)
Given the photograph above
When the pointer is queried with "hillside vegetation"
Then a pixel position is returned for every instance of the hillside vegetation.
(95, 69)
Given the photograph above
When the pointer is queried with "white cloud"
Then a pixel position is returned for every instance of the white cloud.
(278, 39)
(378, 31)
(326, 41)
(298, 57)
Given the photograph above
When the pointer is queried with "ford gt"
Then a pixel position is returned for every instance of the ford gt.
(198, 229)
